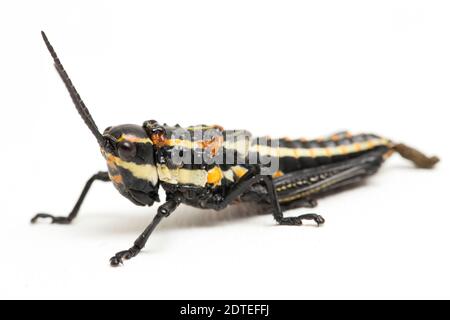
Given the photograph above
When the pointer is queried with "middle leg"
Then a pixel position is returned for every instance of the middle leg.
(252, 177)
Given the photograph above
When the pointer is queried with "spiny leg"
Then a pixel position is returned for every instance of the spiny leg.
(298, 221)
(278, 213)
(344, 177)
(163, 211)
(102, 176)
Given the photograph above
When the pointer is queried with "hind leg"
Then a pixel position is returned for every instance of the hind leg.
(278, 209)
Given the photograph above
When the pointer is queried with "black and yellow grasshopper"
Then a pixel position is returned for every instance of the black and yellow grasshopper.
(210, 168)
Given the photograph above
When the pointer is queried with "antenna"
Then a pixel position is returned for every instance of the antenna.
(79, 104)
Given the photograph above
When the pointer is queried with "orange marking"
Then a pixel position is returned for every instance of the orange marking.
(214, 144)
(159, 139)
(220, 128)
(335, 137)
(133, 138)
(239, 171)
(328, 152)
(111, 160)
(111, 163)
(370, 144)
(278, 174)
(348, 135)
(312, 152)
(117, 179)
(357, 147)
(215, 176)
(343, 150)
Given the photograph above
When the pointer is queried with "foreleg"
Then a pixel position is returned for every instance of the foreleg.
(163, 211)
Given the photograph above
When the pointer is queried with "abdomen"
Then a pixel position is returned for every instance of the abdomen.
(311, 168)
(302, 154)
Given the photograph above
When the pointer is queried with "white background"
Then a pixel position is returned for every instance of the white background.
(273, 67)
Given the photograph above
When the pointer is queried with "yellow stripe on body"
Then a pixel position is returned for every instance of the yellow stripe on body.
(145, 172)
(205, 127)
(182, 143)
(242, 147)
(133, 138)
(213, 144)
(196, 177)
(199, 177)
(319, 152)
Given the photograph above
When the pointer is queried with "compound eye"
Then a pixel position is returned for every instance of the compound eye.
(126, 150)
